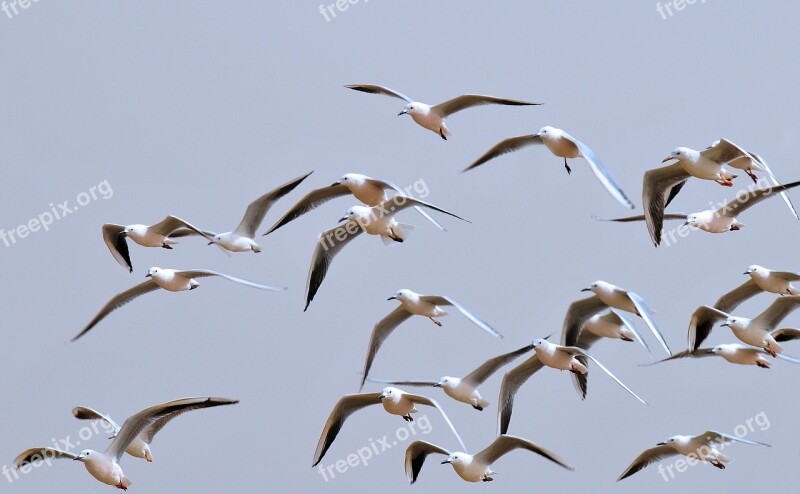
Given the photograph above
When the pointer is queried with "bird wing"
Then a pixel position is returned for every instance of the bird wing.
(644, 311)
(776, 312)
(512, 381)
(118, 301)
(441, 300)
(763, 163)
(673, 193)
(723, 151)
(504, 444)
(409, 382)
(255, 212)
(657, 184)
(309, 202)
(170, 224)
(703, 320)
(328, 245)
(648, 457)
(390, 185)
(469, 100)
(575, 351)
(577, 314)
(149, 433)
(506, 146)
(786, 334)
(738, 205)
(85, 413)
(786, 275)
(731, 300)
(399, 202)
(117, 244)
(140, 421)
(699, 353)
(486, 369)
(641, 217)
(615, 318)
(424, 400)
(380, 332)
(600, 171)
(719, 437)
(343, 409)
(204, 273)
(40, 454)
(375, 89)
(416, 453)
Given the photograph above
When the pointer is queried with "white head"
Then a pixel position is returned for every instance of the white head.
(415, 108)
(679, 154)
(153, 272)
(350, 179)
(87, 455)
(139, 230)
(448, 382)
(391, 393)
(738, 323)
(357, 213)
(599, 287)
(755, 269)
(458, 459)
(404, 295)
(548, 130)
(541, 343)
(674, 441)
(724, 349)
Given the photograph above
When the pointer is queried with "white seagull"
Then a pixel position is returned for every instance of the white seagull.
(105, 466)
(661, 185)
(701, 447)
(732, 352)
(139, 447)
(465, 389)
(761, 280)
(758, 332)
(433, 117)
(158, 235)
(477, 467)
(394, 401)
(172, 280)
(412, 303)
(607, 296)
(377, 220)
(242, 239)
(564, 146)
(370, 191)
(549, 355)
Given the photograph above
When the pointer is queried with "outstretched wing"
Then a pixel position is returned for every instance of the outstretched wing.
(506, 146)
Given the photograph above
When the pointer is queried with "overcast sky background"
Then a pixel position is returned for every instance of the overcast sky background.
(196, 108)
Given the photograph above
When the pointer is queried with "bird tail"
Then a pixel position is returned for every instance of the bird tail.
(726, 174)
(483, 403)
(400, 232)
(126, 482)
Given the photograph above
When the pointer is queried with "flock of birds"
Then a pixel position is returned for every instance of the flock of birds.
(588, 320)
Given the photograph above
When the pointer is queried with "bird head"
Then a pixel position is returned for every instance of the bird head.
(677, 154)
(755, 269)
(402, 295)
(390, 392)
(152, 272)
(457, 458)
(447, 382)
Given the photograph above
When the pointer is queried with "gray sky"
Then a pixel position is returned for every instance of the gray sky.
(196, 108)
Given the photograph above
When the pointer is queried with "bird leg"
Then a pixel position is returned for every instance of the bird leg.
(394, 236)
(408, 418)
(478, 408)
(121, 486)
(438, 323)
(762, 365)
(770, 351)
(575, 371)
(569, 170)
(752, 175)
(166, 246)
(487, 479)
(718, 464)
(725, 182)
(441, 133)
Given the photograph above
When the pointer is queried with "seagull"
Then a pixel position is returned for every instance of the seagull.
(720, 220)
(750, 161)
(550, 355)
(394, 401)
(661, 185)
(412, 303)
(478, 467)
(700, 447)
(564, 146)
(242, 239)
(377, 220)
(761, 280)
(607, 296)
(733, 353)
(139, 447)
(758, 332)
(608, 325)
(158, 235)
(105, 466)
(465, 389)
(433, 117)
(172, 280)
(368, 190)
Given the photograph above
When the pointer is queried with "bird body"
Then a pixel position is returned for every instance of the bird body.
(412, 302)
(696, 164)
(601, 325)
(553, 356)
(773, 281)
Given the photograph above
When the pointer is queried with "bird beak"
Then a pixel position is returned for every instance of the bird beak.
(78, 458)
(437, 385)
(661, 444)
(746, 272)
(148, 457)
(586, 290)
(123, 234)
(211, 243)
(686, 224)
(668, 158)
(402, 113)
(392, 298)
(334, 184)
(445, 462)
(382, 396)
(726, 325)
(148, 275)
(343, 219)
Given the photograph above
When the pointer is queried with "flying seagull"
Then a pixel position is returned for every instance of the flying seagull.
(433, 117)
(701, 447)
(368, 190)
(172, 280)
(465, 389)
(564, 146)
(105, 466)
(549, 355)
(377, 220)
(761, 280)
(733, 353)
(412, 303)
(394, 401)
(477, 467)
(158, 235)
(139, 447)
